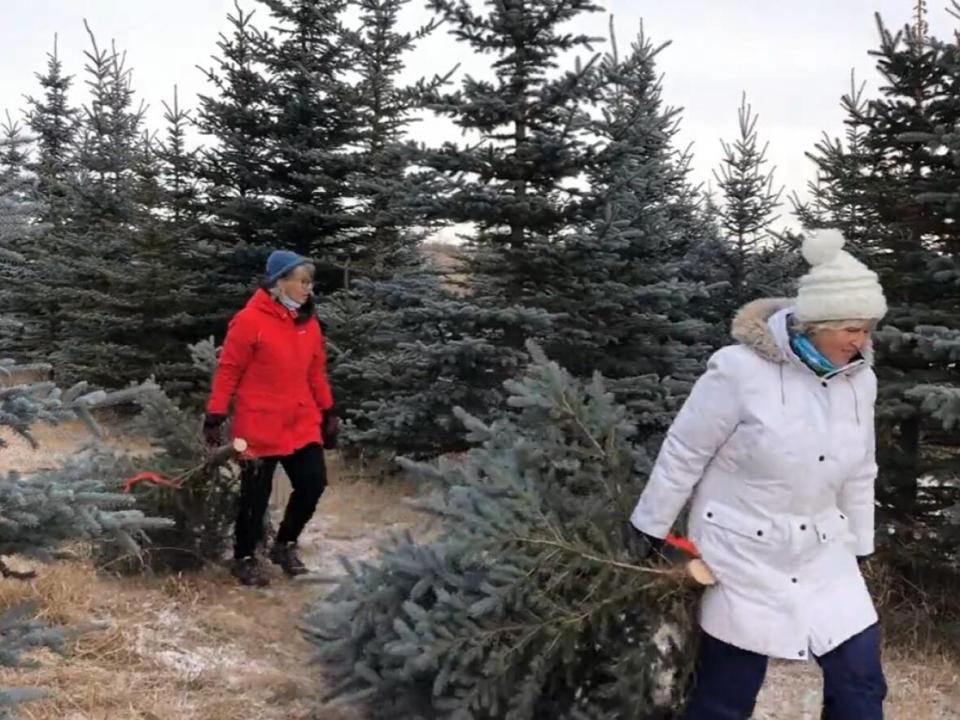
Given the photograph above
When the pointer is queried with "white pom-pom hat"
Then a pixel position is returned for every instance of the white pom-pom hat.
(838, 286)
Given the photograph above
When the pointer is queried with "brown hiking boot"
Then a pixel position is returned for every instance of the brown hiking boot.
(249, 572)
(285, 555)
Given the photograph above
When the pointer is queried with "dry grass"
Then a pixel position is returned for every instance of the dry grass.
(174, 648)
(190, 647)
(920, 609)
(921, 688)
(201, 648)
(55, 442)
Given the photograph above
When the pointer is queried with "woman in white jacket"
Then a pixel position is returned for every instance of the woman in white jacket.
(775, 450)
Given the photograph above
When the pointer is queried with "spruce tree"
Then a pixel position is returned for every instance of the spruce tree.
(106, 271)
(54, 122)
(19, 210)
(616, 279)
(532, 601)
(19, 213)
(917, 67)
(405, 351)
(838, 198)
(178, 167)
(869, 187)
(311, 107)
(750, 199)
(512, 181)
(234, 167)
(888, 189)
(109, 140)
(89, 261)
(615, 270)
(386, 186)
(383, 328)
(515, 178)
(756, 261)
(937, 344)
(202, 298)
(13, 152)
(282, 120)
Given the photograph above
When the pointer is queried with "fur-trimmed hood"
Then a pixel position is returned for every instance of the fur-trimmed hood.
(761, 326)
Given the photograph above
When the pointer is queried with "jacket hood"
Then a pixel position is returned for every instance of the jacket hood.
(262, 301)
(761, 325)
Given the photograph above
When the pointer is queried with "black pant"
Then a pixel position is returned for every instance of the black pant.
(728, 680)
(307, 471)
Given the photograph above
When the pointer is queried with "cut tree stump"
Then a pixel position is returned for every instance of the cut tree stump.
(698, 570)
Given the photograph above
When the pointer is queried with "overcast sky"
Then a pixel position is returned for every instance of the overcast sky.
(792, 57)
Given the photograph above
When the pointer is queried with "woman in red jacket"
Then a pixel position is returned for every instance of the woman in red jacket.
(273, 368)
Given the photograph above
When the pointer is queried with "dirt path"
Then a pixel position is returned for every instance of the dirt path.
(198, 647)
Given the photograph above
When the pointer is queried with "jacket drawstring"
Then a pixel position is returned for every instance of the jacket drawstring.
(783, 392)
(856, 400)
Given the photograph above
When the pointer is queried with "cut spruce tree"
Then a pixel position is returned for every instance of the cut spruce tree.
(534, 600)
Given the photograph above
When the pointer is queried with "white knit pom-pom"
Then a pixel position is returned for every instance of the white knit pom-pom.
(822, 246)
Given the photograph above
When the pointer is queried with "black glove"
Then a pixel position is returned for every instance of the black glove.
(649, 544)
(329, 429)
(213, 430)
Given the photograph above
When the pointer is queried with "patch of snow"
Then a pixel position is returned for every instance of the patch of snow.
(664, 685)
(164, 637)
(928, 481)
(666, 639)
(321, 550)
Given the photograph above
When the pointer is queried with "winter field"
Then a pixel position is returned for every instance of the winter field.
(198, 647)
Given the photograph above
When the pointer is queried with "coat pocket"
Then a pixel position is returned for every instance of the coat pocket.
(736, 521)
(832, 526)
(260, 426)
(735, 545)
(261, 418)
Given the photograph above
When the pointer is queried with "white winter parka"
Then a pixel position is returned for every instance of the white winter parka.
(780, 466)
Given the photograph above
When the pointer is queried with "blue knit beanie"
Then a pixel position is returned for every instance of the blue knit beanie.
(281, 262)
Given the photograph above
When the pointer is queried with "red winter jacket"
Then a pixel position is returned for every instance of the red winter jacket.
(277, 373)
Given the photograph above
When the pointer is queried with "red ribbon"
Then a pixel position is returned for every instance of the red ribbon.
(150, 477)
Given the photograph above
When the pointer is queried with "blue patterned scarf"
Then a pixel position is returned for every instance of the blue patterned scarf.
(808, 353)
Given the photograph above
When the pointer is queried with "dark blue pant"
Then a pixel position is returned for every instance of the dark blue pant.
(728, 679)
